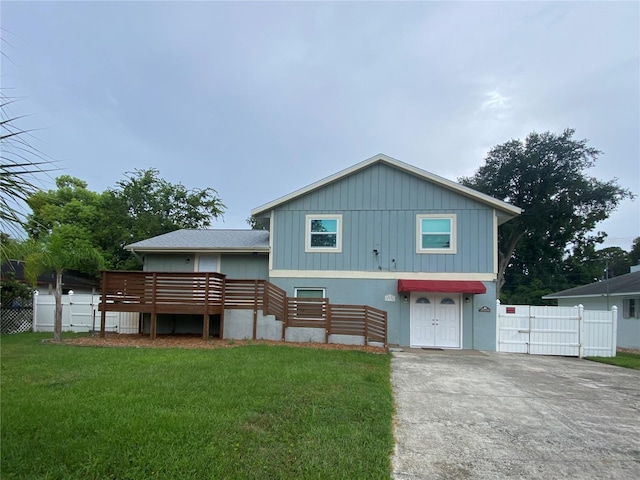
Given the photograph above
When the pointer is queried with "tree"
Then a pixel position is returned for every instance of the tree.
(14, 292)
(21, 165)
(66, 247)
(71, 203)
(145, 205)
(634, 254)
(545, 175)
(141, 206)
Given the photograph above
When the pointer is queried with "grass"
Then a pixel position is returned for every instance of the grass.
(622, 359)
(247, 412)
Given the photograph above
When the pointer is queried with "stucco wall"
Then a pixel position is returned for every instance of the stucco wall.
(478, 329)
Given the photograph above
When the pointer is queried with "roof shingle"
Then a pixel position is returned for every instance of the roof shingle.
(628, 284)
(206, 240)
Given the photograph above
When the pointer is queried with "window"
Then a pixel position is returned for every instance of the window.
(310, 292)
(423, 300)
(631, 308)
(436, 233)
(323, 233)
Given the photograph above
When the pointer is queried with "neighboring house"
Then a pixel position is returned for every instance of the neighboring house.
(46, 282)
(622, 292)
(381, 233)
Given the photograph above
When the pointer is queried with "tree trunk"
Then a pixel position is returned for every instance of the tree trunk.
(503, 260)
(57, 323)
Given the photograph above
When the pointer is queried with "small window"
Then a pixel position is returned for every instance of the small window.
(323, 233)
(423, 300)
(447, 301)
(310, 292)
(436, 234)
(631, 308)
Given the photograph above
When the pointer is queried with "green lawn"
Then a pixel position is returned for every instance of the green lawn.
(255, 411)
(622, 359)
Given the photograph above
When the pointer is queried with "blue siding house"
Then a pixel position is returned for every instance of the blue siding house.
(380, 233)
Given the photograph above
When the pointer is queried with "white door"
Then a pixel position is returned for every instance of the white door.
(422, 320)
(435, 320)
(208, 263)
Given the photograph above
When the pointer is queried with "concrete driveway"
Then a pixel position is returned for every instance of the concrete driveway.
(478, 415)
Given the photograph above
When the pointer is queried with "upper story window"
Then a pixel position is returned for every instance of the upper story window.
(436, 233)
(323, 233)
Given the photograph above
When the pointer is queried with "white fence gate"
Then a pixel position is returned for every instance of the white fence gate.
(79, 314)
(567, 331)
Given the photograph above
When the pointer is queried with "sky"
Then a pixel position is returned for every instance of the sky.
(259, 99)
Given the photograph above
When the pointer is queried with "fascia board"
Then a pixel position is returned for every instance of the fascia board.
(196, 250)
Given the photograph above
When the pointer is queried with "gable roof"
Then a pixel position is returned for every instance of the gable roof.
(628, 284)
(205, 240)
(506, 211)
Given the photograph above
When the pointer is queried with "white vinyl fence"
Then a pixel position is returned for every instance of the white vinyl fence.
(567, 331)
(79, 314)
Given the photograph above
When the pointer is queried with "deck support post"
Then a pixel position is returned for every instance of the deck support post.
(222, 301)
(103, 323)
(103, 309)
(205, 314)
(255, 308)
(205, 327)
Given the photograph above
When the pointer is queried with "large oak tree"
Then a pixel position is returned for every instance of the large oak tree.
(546, 175)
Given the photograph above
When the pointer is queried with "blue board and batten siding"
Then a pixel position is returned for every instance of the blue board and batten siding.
(379, 206)
(169, 262)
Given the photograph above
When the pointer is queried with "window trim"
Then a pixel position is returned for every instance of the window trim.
(307, 237)
(626, 308)
(436, 216)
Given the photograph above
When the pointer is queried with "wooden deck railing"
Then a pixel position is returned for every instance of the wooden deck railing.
(211, 293)
(275, 301)
(162, 292)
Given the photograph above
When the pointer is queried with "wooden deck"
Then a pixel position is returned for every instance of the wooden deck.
(206, 294)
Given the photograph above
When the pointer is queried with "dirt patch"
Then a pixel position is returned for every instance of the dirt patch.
(629, 350)
(193, 341)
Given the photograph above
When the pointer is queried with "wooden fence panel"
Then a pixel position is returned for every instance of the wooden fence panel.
(244, 294)
(307, 312)
(347, 320)
(274, 301)
(376, 325)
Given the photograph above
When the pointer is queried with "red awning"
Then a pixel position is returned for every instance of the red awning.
(451, 286)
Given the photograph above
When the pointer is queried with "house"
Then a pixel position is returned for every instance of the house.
(622, 292)
(381, 233)
(46, 282)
